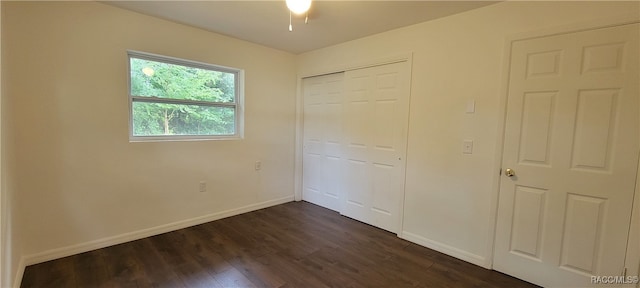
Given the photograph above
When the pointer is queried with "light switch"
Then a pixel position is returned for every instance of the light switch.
(471, 106)
(467, 147)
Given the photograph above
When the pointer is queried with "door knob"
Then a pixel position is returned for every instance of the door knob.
(509, 172)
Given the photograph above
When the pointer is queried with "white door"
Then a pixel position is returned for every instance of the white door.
(322, 156)
(572, 140)
(375, 140)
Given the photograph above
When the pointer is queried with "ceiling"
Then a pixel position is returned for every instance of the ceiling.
(330, 22)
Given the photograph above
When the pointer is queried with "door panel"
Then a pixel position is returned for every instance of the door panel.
(528, 221)
(571, 135)
(322, 138)
(377, 109)
(537, 118)
(580, 239)
(355, 138)
(595, 124)
(357, 190)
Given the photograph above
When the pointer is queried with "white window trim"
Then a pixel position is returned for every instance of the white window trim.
(238, 104)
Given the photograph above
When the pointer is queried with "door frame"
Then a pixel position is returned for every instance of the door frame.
(631, 261)
(299, 130)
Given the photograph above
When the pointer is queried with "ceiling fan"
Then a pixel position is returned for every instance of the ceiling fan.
(298, 7)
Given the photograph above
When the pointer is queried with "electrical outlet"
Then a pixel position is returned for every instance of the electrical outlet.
(203, 186)
(467, 147)
(257, 165)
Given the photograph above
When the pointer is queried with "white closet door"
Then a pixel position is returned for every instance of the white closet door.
(322, 157)
(572, 139)
(375, 140)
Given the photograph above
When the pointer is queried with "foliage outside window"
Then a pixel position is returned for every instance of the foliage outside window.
(179, 99)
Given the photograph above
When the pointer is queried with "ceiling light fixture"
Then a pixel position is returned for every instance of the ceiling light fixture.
(298, 7)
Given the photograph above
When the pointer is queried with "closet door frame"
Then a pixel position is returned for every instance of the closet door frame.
(299, 136)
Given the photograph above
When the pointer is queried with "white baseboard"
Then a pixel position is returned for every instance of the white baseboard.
(131, 236)
(20, 272)
(444, 248)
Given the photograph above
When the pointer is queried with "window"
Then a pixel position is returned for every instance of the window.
(175, 99)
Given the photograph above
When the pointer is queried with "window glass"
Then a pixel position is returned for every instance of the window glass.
(173, 98)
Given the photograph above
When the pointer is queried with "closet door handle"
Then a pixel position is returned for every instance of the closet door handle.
(509, 172)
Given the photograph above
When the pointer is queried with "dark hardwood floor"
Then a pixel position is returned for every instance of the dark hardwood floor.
(296, 244)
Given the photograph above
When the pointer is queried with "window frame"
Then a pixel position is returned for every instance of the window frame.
(238, 103)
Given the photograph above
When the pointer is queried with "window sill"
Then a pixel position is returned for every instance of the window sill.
(189, 138)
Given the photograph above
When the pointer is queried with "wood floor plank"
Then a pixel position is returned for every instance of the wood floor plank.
(90, 269)
(291, 270)
(231, 277)
(259, 274)
(30, 275)
(334, 270)
(123, 268)
(177, 252)
(200, 252)
(157, 271)
(223, 254)
(241, 238)
(59, 273)
(297, 244)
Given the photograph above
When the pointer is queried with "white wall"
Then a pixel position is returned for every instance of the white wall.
(633, 248)
(3, 207)
(10, 233)
(4, 261)
(76, 176)
(9, 238)
(449, 196)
